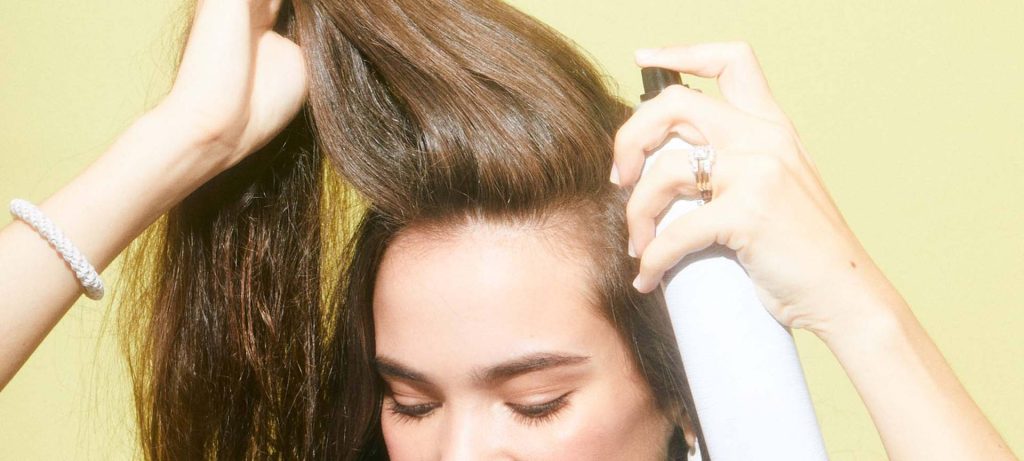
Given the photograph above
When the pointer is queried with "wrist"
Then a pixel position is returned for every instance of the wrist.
(199, 148)
(158, 156)
(178, 142)
(868, 310)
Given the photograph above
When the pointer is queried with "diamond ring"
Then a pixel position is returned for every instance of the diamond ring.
(701, 159)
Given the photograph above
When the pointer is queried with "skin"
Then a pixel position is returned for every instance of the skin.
(449, 310)
(809, 269)
(239, 83)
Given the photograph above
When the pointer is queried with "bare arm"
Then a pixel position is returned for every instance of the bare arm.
(147, 170)
(238, 84)
(811, 272)
(916, 402)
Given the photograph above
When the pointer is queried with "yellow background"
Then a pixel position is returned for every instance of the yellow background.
(913, 110)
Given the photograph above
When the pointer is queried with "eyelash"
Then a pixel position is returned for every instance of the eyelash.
(541, 413)
(407, 413)
(526, 414)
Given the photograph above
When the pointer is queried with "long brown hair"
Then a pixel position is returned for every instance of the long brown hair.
(248, 320)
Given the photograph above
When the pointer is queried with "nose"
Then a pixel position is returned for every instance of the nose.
(468, 436)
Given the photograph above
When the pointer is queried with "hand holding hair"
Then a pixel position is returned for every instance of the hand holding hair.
(771, 207)
(239, 82)
(238, 85)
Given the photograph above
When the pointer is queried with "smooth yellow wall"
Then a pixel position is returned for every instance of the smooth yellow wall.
(913, 110)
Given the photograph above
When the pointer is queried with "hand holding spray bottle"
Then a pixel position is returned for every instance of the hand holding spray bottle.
(751, 398)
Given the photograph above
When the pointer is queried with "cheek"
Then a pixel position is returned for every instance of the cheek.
(406, 440)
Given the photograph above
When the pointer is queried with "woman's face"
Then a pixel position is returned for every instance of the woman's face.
(490, 350)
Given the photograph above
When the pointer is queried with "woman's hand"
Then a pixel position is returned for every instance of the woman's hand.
(238, 85)
(239, 82)
(769, 203)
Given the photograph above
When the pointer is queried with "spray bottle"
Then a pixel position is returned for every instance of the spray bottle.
(742, 365)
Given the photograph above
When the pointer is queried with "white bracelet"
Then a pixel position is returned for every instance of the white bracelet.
(86, 274)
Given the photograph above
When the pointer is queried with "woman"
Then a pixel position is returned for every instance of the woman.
(243, 355)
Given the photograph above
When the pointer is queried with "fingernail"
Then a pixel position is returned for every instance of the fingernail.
(630, 249)
(637, 284)
(615, 175)
(643, 54)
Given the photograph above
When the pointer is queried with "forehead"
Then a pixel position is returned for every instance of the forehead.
(480, 294)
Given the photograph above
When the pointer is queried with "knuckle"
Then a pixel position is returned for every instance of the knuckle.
(620, 138)
(772, 166)
(624, 142)
(639, 216)
(668, 172)
(779, 138)
(766, 169)
(742, 49)
(674, 93)
(633, 210)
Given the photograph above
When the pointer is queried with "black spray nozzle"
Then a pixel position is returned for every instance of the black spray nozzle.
(656, 79)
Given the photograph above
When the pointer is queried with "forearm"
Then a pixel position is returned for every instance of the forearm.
(918, 405)
(148, 169)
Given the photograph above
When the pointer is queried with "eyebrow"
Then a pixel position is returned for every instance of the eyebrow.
(500, 372)
(391, 368)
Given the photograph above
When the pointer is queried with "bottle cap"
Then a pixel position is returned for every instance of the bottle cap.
(656, 79)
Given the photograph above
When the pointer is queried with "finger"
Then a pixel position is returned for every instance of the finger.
(740, 78)
(689, 233)
(684, 130)
(669, 176)
(667, 113)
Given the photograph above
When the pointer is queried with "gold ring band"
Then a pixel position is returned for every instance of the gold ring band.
(701, 159)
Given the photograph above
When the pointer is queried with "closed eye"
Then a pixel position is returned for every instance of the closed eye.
(411, 412)
(538, 413)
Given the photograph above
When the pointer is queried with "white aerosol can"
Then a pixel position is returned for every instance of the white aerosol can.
(742, 365)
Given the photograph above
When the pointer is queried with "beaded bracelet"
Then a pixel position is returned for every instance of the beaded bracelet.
(86, 274)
